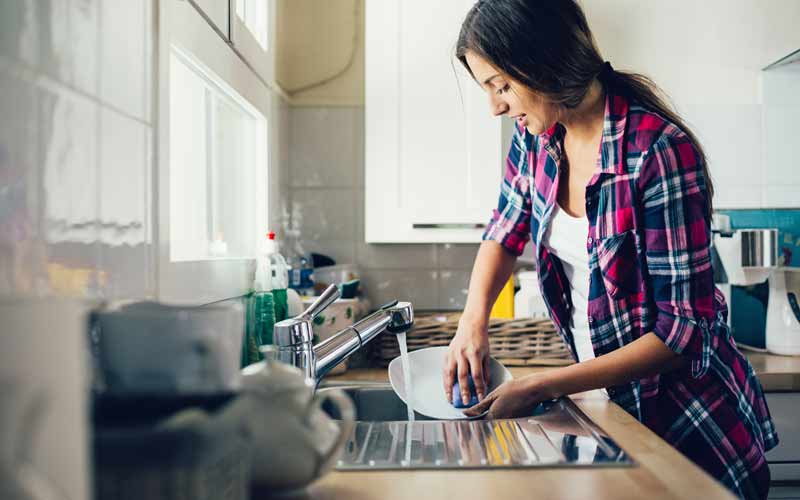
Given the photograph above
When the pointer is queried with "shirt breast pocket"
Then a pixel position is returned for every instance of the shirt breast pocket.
(618, 258)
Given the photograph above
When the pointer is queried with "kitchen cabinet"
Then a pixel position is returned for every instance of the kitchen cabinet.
(784, 460)
(433, 159)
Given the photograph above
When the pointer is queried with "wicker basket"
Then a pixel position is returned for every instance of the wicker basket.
(518, 342)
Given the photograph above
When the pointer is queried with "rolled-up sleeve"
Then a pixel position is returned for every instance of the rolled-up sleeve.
(510, 224)
(677, 254)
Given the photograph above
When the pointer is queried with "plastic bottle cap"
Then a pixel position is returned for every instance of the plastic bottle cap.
(271, 235)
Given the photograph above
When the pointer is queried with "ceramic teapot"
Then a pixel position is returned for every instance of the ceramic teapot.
(294, 439)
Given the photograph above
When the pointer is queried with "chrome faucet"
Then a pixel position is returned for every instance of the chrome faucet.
(294, 344)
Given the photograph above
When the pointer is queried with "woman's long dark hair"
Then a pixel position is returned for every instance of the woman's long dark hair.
(547, 46)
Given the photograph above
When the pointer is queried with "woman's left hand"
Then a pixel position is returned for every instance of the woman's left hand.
(515, 398)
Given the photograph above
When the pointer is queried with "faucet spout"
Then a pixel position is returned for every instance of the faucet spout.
(294, 344)
(396, 318)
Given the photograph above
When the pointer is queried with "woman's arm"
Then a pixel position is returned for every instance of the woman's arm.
(469, 349)
(646, 356)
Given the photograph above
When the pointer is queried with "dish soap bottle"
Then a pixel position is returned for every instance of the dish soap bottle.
(261, 309)
(278, 276)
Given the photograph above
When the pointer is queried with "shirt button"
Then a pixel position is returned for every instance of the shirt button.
(590, 240)
(591, 320)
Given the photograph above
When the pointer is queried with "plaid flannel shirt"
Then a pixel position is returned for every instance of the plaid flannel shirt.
(650, 265)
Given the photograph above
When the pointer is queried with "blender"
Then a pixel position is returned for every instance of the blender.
(751, 256)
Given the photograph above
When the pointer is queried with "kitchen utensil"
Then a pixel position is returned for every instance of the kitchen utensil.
(429, 398)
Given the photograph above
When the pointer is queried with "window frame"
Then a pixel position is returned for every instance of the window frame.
(205, 281)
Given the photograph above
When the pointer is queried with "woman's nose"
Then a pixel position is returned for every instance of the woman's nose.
(497, 106)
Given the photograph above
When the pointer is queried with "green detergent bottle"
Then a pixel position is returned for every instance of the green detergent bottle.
(279, 277)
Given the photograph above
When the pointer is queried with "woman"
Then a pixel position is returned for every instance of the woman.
(613, 189)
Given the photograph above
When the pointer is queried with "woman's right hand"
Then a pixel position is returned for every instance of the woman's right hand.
(468, 354)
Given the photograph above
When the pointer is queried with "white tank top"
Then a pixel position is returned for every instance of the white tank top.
(566, 239)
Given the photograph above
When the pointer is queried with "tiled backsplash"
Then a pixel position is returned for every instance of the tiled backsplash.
(326, 178)
(76, 155)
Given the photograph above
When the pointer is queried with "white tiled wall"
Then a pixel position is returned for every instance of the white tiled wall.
(326, 179)
(78, 151)
(708, 57)
(76, 148)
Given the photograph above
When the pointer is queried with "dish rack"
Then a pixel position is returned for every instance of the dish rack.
(513, 342)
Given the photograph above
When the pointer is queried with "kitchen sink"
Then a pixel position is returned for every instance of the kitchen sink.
(557, 434)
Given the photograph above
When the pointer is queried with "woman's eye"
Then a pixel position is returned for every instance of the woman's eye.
(504, 89)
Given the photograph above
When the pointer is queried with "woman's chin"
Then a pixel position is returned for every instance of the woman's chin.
(535, 129)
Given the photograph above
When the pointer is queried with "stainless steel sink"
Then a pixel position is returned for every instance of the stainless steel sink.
(557, 434)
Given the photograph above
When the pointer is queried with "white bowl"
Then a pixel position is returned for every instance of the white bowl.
(426, 379)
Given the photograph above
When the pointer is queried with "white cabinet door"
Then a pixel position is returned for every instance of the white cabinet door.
(433, 151)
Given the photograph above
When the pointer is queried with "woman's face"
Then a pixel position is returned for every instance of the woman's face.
(509, 97)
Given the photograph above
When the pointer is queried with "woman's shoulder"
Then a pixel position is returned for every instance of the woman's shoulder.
(647, 130)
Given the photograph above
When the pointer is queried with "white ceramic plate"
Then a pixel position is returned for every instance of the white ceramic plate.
(426, 380)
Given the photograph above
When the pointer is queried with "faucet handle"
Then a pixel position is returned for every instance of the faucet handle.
(327, 298)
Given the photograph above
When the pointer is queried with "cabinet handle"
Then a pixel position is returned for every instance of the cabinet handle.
(449, 226)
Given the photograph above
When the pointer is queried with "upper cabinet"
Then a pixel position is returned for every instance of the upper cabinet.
(433, 151)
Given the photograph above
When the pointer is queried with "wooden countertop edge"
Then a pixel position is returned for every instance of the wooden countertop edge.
(661, 472)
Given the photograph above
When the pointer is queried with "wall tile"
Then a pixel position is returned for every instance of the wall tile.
(782, 176)
(124, 175)
(342, 251)
(456, 256)
(731, 137)
(22, 265)
(396, 256)
(327, 213)
(323, 147)
(124, 57)
(453, 288)
(70, 149)
(416, 286)
(20, 28)
(55, 56)
(84, 34)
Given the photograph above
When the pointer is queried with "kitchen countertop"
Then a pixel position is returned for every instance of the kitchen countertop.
(662, 472)
(776, 373)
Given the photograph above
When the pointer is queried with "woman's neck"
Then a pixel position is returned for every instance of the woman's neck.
(584, 123)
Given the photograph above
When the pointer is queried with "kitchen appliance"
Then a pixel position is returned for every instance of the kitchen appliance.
(749, 257)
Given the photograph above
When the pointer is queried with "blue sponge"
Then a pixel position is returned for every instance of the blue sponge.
(457, 402)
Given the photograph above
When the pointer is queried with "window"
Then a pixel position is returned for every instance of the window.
(217, 166)
(255, 16)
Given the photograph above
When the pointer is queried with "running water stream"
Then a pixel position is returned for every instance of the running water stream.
(401, 340)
